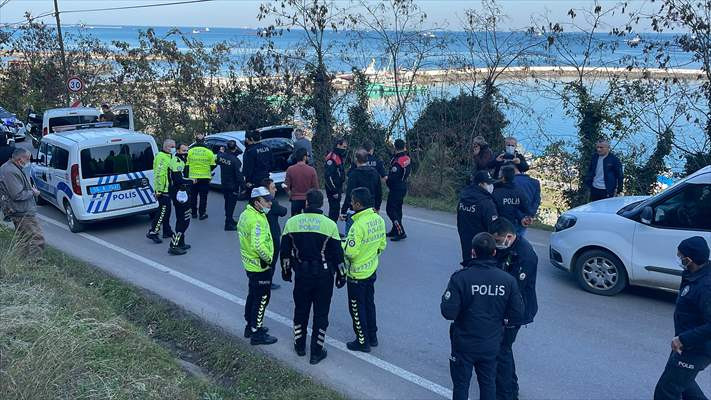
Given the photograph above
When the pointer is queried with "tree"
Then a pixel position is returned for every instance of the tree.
(362, 126)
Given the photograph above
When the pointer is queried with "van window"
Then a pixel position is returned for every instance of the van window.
(60, 158)
(116, 159)
(71, 120)
(687, 209)
(42, 154)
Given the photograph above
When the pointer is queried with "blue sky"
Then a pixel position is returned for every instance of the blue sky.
(242, 13)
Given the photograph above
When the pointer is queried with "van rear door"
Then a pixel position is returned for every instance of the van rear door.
(117, 176)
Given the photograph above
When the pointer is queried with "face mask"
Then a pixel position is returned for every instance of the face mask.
(173, 151)
(683, 265)
(510, 150)
(182, 156)
(504, 245)
(266, 210)
(489, 188)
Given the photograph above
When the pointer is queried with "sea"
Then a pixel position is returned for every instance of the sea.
(536, 114)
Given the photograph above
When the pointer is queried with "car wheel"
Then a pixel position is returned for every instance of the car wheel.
(74, 225)
(600, 272)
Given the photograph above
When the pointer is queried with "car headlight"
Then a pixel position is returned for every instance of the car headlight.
(565, 221)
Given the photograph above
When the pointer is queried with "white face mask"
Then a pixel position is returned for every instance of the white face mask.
(489, 187)
(504, 245)
(173, 151)
(510, 149)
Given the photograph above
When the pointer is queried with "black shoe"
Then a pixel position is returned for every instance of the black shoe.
(230, 228)
(185, 246)
(391, 233)
(203, 216)
(398, 238)
(355, 346)
(154, 237)
(318, 357)
(373, 342)
(168, 236)
(299, 351)
(275, 286)
(261, 337)
(194, 214)
(248, 331)
(177, 251)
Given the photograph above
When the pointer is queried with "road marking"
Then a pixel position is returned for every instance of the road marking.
(370, 359)
(427, 221)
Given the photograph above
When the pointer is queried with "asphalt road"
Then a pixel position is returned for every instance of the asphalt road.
(581, 346)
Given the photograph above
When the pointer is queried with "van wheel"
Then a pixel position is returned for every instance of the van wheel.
(74, 225)
(600, 272)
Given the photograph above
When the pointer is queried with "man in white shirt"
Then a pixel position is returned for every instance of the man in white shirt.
(604, 177)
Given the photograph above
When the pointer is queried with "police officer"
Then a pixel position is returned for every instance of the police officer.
(512, 203)
(516, 256)
(373, 160)
(479, 299)
(362, 248)
(257, 159)
(335, 177)
(180, 194)
(397, 183)
(311, 247)
(691, 345)
(362, 176)
(276, 211)
(475, 211)
(256, 250)
(232, 181)
(161, 186)
(201, 161)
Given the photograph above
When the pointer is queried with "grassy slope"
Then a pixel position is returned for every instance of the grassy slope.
(68, 330)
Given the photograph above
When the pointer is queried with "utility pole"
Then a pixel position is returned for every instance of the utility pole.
(61, 45)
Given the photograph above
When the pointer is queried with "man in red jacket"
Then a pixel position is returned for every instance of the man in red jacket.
(300, 178)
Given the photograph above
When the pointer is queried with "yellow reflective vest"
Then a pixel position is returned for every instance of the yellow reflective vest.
(365, 242)
(255, 240)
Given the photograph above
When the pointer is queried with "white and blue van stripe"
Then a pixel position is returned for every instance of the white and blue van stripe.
(100, 202)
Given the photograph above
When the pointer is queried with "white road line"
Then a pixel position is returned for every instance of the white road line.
(427, 221)
(370, 359)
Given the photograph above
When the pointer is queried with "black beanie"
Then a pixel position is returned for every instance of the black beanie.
(695, 248)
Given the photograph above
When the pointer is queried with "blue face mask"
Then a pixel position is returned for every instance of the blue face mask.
(173, 151)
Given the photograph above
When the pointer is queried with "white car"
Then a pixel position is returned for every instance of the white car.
(61, 119)
(612, 243)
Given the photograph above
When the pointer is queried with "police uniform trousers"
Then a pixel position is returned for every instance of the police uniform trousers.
(162, 216)
(394, 209)
(465, 241)
(334, 206)
(460, 369)
(260, 291)
(361, 304)
(313, 286)
(231, 195)
(506, 379)
(678, 381)
(199, 196)
(182, 221)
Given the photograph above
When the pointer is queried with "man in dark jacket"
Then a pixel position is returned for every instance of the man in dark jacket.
(691, 345)
(397, 183)
(482, 155)
(510, 156)
(604, 177)
(516, 256)
(531, 187)
(362, 176)
(335, 177)
(258, 160)
(479, 299)
(232, 181)
(277, 211)
(511, 202)
(475, 211)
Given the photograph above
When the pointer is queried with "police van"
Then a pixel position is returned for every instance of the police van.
(96, 174)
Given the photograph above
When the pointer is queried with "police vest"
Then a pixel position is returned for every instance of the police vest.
(365, 242)
(255, 240)
(200, 159)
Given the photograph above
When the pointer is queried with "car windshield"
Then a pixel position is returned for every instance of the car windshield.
(116, 159)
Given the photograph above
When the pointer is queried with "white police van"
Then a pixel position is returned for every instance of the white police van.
(96, 174)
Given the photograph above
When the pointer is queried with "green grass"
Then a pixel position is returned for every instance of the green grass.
(70, 331)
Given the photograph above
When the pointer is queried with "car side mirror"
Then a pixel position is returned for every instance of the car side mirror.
(647, 215)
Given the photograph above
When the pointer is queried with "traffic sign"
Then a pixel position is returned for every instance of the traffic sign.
(75, 84)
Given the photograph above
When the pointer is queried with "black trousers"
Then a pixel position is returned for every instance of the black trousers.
(460, 369)
(598, 194)
(230, 204)
(334, 205)
(465, 240)
(313, 286)
(200, 190)
(162, 216)
(506, 379)
(394, 209)
(297, 206)
(260, 291)
(182, 222)
(361, 304)
(678, 381)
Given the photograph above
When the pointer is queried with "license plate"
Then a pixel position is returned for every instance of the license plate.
(105, 188)
(115, 187)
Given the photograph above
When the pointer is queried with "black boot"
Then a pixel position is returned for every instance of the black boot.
(355, 346)
(300, 351)
(373, 341)
(318, 356)
(261, 338)
(177, 251)
(397, 238)
(391, 233)
(154, 237)
(248, 331)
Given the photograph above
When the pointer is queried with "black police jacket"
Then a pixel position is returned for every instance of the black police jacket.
(363, 177)
(511, 202)
(311, 247)
(399, 171)
(258, 162)
(277, 211)
(373, 162)
(335, 171)
(230, 171)
(692, 315)
(478, 299)
(475, 212)
(521, 262)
